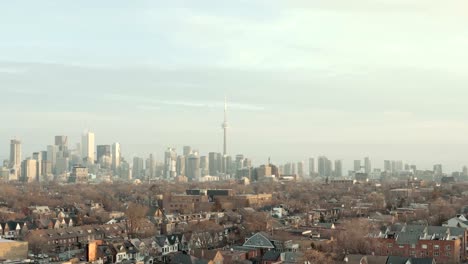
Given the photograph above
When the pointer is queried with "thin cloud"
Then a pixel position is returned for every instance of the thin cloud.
(155, 104)
(148, 107)
(11, 70)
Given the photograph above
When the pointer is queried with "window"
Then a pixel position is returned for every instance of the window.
(436, 253)
(424, 246)
(389, 245)
(448, 254)
(448, 247)
(436, 247)
(413, 246)
(413, 253)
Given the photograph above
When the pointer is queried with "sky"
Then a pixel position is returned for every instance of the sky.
(346, 79)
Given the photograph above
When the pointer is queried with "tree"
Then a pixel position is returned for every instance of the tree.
(135, 214)
(440, 211)
(37, 243)
(313, 256)
(353, 239)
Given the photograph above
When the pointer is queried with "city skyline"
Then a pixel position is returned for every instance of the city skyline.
(345, 165)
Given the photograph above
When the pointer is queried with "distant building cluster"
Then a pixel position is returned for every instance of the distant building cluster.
(87, 161)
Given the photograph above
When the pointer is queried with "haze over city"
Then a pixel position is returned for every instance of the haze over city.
(302, 78)
(233, 132)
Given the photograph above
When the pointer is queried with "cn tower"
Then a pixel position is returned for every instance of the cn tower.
(224, 126)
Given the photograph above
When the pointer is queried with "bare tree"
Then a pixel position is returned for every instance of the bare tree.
(440, 210)
(37, 244)
(352, 238)
(135, 214)
(312, 256)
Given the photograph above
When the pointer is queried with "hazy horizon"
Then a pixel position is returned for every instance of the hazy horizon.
(384, 79)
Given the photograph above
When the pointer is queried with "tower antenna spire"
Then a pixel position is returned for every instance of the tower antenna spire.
(225, 109)
(224, 127)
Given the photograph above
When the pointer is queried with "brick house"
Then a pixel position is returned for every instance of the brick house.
(444, 244)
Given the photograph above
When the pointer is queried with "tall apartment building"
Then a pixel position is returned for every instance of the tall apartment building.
(170, 160)
(87, 148)
(138, 170)
(324, 166)
(311, 166)
(29, 170)
(116, 156)
(338, 168)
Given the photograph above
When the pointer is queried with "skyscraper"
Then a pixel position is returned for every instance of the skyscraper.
(187, 151)
(204, 166)
(180, 165)
(87, 147)
(219, 163)
(101, 151)
(239, 163)
(61, 142)
(29, 170)
(367, 165)
(311, 167)
(387, 166)
(52, 156)
(213, 163)
(116, 153)
(62, 146)
(300, 169)
(230, 166)
(193, 167)
(37, 156)
(170, 158)
(338, 168)
(125, 171)
(138, 169)
(398, 166)
(225, 127)
(357, 165)
(151, 167)
(324, 166)
(15, 153)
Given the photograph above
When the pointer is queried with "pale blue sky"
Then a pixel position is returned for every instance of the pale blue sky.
(384, 78)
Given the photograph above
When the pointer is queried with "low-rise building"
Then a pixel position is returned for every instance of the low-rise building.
(14, 250)
(444, 244)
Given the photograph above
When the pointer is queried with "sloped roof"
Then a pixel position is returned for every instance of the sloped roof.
(404, 260)
(271, 255)
(407, 238)
(181, 258)
(454, 231)
(160, 240)
(414, 229)
(396, 260)
(258, 241)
